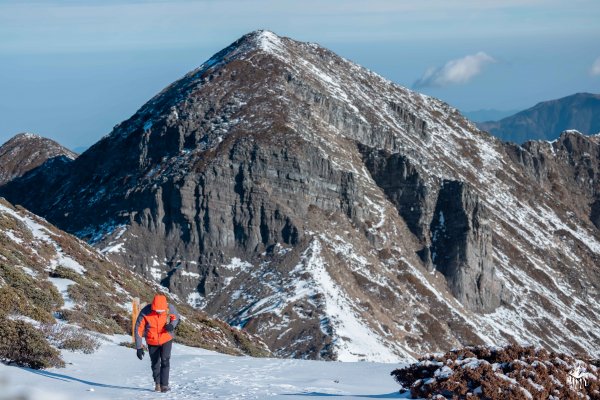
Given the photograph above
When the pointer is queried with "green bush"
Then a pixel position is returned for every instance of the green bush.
(14, 301)
(207, 333)
(193, 335)
(248, 346)
(24, 345)
(84, 343)
(107, 316)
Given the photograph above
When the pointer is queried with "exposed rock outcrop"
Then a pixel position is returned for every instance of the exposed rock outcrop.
(404, 185)
(462, 248)
(568, 166)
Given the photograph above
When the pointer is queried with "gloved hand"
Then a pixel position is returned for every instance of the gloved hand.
(169, 327)
(140, 353)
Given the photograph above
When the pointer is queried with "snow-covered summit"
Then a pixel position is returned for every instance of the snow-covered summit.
(34, 140)
(269, 41)
(26, 135)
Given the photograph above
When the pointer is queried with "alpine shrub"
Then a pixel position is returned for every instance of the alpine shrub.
(22, 344)
(70, 338)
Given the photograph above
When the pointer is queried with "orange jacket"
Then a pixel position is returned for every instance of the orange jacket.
(151, 324)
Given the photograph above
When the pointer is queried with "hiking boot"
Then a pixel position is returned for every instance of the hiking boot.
(165, 389)
(157, 387)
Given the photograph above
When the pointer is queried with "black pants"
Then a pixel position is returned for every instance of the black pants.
(160, 357)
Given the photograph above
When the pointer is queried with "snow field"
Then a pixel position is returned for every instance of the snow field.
(114, 372)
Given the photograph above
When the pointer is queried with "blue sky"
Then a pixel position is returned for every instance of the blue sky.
(71, 70)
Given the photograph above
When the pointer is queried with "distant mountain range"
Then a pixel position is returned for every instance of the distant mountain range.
(546, 120)
(483, 115)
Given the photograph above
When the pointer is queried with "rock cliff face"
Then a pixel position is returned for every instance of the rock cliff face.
(404, 185)
(337, 215)
(462, 247)
(569, 167)
(451, 223)
(27, 151)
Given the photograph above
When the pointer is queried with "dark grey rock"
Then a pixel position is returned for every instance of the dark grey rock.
(404, 186)
(461, 247)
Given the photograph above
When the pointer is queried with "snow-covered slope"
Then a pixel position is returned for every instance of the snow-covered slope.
(114, 373)
(304, 198)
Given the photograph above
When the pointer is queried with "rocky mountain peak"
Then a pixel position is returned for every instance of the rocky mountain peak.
(304, 198)
(25, 136)
(27, 151)
(160, 129)
(264, 40)
(31, 139)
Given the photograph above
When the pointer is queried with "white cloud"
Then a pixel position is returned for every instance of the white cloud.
(460, 70)
(595, 70)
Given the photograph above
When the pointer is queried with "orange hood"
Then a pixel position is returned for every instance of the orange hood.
(159, 303)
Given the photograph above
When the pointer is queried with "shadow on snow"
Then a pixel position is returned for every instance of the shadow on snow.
(67, 378)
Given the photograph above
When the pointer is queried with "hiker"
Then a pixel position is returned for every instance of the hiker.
(156, 322)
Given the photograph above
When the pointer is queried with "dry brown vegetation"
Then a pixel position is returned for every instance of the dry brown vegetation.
(201, 331)
(69, 337)
(512, 372)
